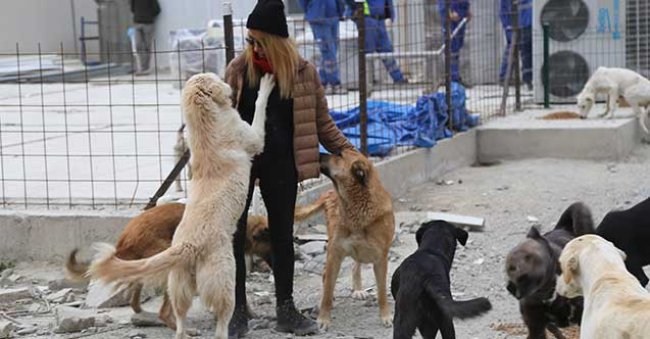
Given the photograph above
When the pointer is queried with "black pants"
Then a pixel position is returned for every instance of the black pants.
(278, 184)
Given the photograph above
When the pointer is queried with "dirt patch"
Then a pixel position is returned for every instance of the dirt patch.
(514, 329)
(562, 115)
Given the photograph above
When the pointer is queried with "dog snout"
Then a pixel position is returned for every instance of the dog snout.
(512, 288)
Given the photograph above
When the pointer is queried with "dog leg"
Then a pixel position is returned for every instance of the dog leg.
(258, 126)
(357, 288)
(535, 321)
(447, 330)
(332, 268)
(218, 292)
(166, 314)
(136, 291)
(642, 113)
(612, 102)
(381, 272)
(555, 331)
(181, 293)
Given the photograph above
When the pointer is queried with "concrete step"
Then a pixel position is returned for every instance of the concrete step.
(525, 135)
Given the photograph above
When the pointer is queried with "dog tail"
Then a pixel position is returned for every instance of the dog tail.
(109, 268)
(458, 309)
(307, 211)
(577, 220)
(75, 270)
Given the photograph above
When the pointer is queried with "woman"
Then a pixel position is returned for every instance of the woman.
(297, 120)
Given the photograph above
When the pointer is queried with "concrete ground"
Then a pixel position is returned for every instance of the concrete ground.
(512, 196)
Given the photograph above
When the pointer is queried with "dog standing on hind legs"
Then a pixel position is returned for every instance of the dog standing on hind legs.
(222, 147)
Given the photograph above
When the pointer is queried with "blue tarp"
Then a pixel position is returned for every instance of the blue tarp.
(391, 124)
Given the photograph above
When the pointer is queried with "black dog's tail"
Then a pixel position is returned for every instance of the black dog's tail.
(577, 220)
(459, 309)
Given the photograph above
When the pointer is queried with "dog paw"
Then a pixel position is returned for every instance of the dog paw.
(359, 295)
(266, 85)
(323, 323)
(387, 321)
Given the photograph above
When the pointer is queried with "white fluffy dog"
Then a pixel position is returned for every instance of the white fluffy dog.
(616, 82)
(616, 305)
(200, 258)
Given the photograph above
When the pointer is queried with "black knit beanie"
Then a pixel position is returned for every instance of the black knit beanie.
(268, 16)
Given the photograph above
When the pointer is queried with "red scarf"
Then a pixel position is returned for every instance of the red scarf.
(262, 63)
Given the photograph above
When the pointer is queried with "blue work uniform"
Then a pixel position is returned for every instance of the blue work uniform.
(323, 17)
(525, 37)
(376, 40)
(462, 8)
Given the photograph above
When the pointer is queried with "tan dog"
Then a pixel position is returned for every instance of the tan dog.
(200, 258)
(616, 305)
(360, 224)
(150, 233)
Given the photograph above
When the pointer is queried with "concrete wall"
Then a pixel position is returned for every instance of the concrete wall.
(50, 22)
(51, 235)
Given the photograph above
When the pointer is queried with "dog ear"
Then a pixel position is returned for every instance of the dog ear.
(420, 233)
(533, 233)
(220, 93)
(360, 171)
(461, 236)
(570, 270)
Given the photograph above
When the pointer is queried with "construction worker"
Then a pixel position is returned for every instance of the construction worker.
(375, 13)
(525, 39)
(323, 17)
(459, 10)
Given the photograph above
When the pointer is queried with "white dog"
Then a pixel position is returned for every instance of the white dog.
(616, 305)
(200, 258)
(616, 82)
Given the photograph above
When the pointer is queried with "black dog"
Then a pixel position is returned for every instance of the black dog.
(532, 268)
(420, 286)
(629, 230)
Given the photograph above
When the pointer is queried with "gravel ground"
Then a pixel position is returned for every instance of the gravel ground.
(511, 196)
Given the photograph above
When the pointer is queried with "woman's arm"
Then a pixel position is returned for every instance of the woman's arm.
(328, 134)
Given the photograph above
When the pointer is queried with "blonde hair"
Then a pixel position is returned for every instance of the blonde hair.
(283, 56)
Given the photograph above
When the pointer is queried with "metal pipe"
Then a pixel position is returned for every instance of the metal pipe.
(363, 95)
(228, 34)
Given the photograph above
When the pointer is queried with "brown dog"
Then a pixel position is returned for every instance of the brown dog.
(150, 233)
(360, 224)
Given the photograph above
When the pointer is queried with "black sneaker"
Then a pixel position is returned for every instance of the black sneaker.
(238, 325)
(291, 321)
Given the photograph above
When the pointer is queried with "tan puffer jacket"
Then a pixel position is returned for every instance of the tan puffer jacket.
(311, 119)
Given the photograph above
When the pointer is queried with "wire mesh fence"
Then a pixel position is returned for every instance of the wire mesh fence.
(86, 131)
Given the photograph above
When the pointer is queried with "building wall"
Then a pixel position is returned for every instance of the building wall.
(48, 22)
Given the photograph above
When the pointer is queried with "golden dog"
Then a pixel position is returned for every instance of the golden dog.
(360, 224)
(200, 258)
(616, 305)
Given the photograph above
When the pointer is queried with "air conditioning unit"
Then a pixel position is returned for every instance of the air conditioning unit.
(584, 34)
(637, 39)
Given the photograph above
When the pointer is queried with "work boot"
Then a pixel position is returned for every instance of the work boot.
(291, 321)
(238, 325)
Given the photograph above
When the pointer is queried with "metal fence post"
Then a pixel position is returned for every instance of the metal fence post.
(228, 32)
(448, 61)
(363, 94)
(545, 69)
(516, 38)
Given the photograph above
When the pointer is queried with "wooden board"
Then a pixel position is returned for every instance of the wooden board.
(473, 223)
